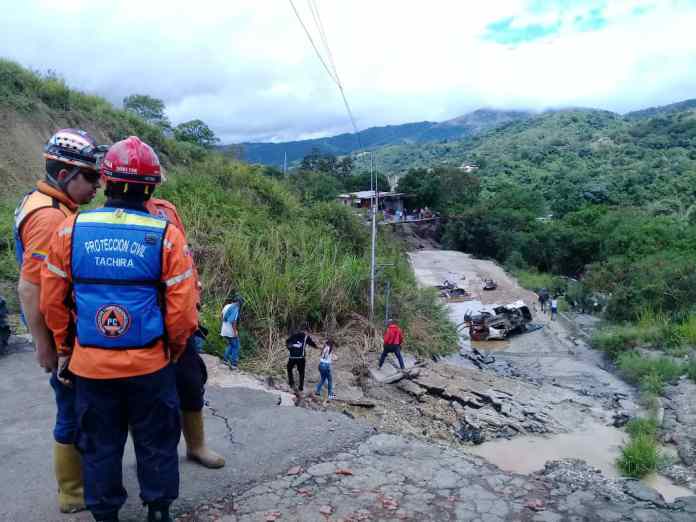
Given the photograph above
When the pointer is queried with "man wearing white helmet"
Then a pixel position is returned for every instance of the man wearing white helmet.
(72, 179)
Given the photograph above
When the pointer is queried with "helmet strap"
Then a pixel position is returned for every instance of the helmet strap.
(63, 183)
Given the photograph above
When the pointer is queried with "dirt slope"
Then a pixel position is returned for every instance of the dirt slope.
(22, 137)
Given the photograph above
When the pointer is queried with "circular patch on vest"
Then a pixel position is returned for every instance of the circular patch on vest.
(113, 321)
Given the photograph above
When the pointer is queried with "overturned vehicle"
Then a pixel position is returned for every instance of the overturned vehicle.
(498, 323)
(452, 292)
(489, 284)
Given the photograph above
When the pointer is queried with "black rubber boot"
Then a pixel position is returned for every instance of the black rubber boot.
(111, 517)
(158, 513)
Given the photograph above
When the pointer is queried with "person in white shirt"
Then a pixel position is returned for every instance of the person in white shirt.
(229, 330)
(327, 356)
(554, 307)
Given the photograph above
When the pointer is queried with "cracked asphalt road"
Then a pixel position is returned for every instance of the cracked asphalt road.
(258, 438)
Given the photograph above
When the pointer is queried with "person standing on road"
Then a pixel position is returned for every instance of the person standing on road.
(543, 298)
(327, 357)
(393, 338)
(131, 279)
(296, 345)
(191, 373)
(554, 307)
(229, 330)
(71, 180)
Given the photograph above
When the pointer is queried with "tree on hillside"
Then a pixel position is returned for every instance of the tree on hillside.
(361, 181)
(315, 161)
(316, 186)
(443, 189)
(344, 167)
(148, 108)
(312, 162)
(422, 185)
(197, 132)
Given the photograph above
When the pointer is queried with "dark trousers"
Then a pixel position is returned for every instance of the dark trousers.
(191, 376)
(106, 407)
(300, 363)
(66, 418)
(391, 348)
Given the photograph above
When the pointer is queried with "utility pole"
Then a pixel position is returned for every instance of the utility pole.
(373, 252)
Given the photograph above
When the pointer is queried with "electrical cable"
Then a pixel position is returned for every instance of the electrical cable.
(311, 40)
(332, 72)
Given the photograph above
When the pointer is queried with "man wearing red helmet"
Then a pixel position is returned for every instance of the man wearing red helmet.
(132, 283)
(71, 180)
(191, 374)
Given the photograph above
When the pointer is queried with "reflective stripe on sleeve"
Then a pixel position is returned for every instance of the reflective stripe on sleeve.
(178, 279)
(56, 270)
(65, 231)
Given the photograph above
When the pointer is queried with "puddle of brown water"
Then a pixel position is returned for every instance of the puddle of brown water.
(666, 487)
(598, 445)
(490, 346)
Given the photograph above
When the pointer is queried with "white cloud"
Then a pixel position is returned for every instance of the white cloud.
(247, 69)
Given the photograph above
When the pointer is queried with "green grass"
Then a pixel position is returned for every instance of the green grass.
(640, 456)
(616, 339)
(641, 426)
(651, 329)
(535, 281)
(686, 330)
(648, 370)
(691, 369)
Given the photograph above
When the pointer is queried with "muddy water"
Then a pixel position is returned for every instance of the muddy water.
(490, 346)
(598, 445)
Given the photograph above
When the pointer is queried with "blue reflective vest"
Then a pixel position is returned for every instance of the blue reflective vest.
(116, 263)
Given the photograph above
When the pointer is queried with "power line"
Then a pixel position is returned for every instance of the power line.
(332, 72)
(311, 40)
(314, 9)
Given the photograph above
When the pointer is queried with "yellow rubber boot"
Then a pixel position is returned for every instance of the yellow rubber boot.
(196, 450)
(68, 467)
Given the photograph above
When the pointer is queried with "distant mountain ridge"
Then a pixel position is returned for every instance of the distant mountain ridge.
(662, 110)
(408, 133)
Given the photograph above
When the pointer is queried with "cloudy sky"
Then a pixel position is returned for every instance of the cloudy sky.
(247, 68)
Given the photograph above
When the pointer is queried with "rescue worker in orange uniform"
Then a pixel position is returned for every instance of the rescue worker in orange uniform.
(129, 279)
(71, 180)
(191, 374)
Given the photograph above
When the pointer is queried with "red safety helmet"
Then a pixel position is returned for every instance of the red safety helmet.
(131, 161)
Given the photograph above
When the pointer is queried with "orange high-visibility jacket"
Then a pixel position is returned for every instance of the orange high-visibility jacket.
(180, 314)
(37, 219)
(167, 210)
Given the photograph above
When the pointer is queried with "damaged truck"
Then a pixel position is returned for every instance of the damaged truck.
(498, 323)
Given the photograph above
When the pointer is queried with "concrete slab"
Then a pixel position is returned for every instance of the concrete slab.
(258, 438)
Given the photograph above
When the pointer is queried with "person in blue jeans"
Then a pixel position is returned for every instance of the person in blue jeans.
(327, 357)
(229, 330)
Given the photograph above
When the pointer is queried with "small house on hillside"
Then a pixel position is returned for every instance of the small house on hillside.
(388, 201)
(468, 167)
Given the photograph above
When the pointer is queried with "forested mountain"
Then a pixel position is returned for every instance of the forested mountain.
(575, 156)
(408, 133)
(663, 109)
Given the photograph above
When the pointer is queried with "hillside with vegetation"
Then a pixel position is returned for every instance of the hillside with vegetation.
(294, 259)
(374, 137)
